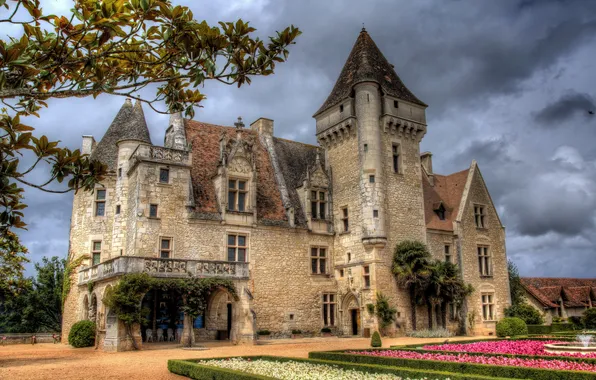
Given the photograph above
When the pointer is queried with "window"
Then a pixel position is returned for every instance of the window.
(237, 247)
(488, 307)
(349, 256)
(365, 148)
(395, 151)
(479, 216)
(153, 211)
(440, 212)
(119, 172)
(100, 202)
(448, 253)
(165, 248)
(341, 273)
(371, 178)
(117, 209)
(329, 309)
(375, 213)
(164, 175)
(341, 108)
(318, 204)
(237, 191)
(344, 219)
(366, 276)
(318, 260)
(95, 252)
(484, 261)
(395, 104)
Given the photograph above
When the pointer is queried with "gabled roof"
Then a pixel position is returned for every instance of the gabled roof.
(447, 190)
(575, 292)
(204, 139)
(366, 63)
(129, 124)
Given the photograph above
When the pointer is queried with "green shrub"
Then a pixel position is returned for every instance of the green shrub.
(375, 341)
(426, 333)
(525, 312)
(576, 322)
(82, 334)
(326, 330)
(589, 318)
(296, 332)
(511, 327)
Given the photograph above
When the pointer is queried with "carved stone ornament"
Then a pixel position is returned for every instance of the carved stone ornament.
(319, 179)
(239, 165)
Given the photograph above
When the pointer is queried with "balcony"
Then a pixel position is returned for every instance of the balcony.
(160, 154)
(165, 268)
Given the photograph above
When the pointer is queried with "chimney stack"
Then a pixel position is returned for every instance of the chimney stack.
(88, 144)
(263, 126)
(426, 159)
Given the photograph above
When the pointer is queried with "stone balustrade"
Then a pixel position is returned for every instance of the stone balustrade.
(169, 268)
(160, 153)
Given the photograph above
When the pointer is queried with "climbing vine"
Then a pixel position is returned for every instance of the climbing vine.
(70, 267)
(126, 297)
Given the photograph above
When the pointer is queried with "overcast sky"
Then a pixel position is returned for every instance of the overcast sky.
(508, 83)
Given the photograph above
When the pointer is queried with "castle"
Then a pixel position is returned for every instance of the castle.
(306, 232)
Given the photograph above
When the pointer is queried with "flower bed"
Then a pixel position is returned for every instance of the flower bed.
(481, 359)
(518, 347)
(268, 367)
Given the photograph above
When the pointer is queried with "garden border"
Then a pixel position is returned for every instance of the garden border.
(193, 369)
(453, 367)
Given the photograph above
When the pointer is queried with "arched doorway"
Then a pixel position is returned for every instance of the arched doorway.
(351, 312)
(93, 309)
(220, 315)
(165, 320)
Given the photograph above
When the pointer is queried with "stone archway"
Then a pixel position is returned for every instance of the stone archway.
(93, 309)
(352, 319)
(219, 318)
(85, 311)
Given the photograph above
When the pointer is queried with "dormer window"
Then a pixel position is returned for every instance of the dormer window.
(237, 190)
(341, 108)
(318, 204)
(440, 211)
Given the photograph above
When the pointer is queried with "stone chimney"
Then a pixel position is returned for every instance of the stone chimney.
(176, 133)
(88, 145)
(426, 159)
(263, 126)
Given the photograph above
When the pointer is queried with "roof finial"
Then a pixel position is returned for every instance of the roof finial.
(363, 29)
(239, 124)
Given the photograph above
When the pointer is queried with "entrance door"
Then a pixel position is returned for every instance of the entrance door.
(229, 319)
(355, 314)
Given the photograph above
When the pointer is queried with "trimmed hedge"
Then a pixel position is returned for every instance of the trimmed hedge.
(197, 371)
(82, 334)
(511, 326)
(375, 341)
(455, 367)
(549, 329)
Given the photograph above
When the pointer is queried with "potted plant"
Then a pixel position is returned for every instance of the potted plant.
(264, 334)
(296, 334)
(326, 331)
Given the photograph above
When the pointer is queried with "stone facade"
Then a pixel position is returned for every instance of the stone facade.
(306, 232)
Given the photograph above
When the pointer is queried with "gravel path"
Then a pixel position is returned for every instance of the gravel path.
(58, 361)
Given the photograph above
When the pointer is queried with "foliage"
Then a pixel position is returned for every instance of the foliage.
(125, 298)
(38, 306)
(577, 323)
(263, 332)
(525, 312)
(469, 364)
(296, 332)
(198, 370)
(589, 318)
(326, 330)
(515, 286)
(68, 271)
(427, 333)
(371, 308)
(375, 341)
(82, 334)
(553, 328)
(472, 319)
(384, 312)
(558, 320)
(119, 47)
(410, 266)
(511, 326)
(12, 260)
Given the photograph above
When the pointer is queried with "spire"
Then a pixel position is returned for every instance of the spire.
(366, 63)
(176, 133)
(129, 124)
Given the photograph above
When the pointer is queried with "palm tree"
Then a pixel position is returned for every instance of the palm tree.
(453, 289)
(410, 266)
(434, 290)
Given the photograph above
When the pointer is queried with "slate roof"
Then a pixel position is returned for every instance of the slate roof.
(575, 292)
(204, 139)
(366, 63)
(448, 190)
(129, 124)
(294, 159)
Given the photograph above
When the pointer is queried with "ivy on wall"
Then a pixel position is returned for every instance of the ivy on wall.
(68, 270)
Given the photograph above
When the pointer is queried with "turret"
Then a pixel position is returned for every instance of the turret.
(176, 133)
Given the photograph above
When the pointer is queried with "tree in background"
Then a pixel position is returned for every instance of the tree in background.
(116, 47)
(37, 306)
(12, 260)
(515, 286)
(384, 312)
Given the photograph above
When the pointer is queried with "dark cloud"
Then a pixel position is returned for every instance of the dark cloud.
(567, 106)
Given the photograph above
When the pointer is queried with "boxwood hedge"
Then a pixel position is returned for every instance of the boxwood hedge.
(455, 367)
(195, 370)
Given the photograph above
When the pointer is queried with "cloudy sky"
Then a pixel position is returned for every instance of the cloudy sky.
(508, 83)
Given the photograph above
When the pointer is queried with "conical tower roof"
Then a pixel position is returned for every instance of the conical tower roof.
(129, 124)
(366, 63)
